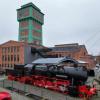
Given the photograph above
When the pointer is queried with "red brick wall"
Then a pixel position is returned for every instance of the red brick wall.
(80, 54)
(23, 23)
(37, 26)
(24, 32)
(37, 34)
(98, 59)
(23, 13)
(90, 60)
(0, 57)
(12, 53)
(75, 55)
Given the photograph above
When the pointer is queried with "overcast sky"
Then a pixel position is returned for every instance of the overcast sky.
(65, 21)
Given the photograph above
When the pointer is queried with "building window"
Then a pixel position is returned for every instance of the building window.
(24, 33)
(69, 55)
(3, 50)
(60, 55)
(8, 58)
(11, 57)
(17, 49)
(11, 49)
(23, 24)
(11, 65)
(14, 57)
(18, 58)
(3, 58)
(56, 55)
(84, 53)
(8, 49)
(14, 49)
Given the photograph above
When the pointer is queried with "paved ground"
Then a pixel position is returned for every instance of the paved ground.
(37, 91)
(90, 80)
(16, 96)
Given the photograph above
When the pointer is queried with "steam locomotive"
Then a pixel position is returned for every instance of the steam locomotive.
(55, 77)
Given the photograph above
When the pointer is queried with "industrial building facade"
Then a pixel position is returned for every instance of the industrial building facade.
(71, 50)
(30, 20)
(74, 50)
(14, 52)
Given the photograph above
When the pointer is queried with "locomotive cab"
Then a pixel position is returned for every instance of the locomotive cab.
(39, 69)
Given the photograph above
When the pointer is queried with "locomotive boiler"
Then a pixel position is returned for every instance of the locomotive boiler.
(61, 72)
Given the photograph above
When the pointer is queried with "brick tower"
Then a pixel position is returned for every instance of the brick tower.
(30, 20)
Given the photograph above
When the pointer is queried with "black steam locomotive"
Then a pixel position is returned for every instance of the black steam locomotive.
(57, 77)
(61, 72)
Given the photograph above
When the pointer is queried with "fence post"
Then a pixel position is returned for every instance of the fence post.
(24, 87)
(3, 83)
(12, 85)
(66, 97)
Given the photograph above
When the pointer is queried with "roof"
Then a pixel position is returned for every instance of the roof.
(12, 43)
(29, 65)
(82, 62)
(68, 47)
(71, 48)
(53, 60)
(30, 4)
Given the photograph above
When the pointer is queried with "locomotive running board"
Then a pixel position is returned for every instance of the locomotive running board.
(62, 76)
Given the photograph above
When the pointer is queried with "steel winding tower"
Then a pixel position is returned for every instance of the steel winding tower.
(30, 20)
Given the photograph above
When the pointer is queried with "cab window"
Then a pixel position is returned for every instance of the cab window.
(41, 67)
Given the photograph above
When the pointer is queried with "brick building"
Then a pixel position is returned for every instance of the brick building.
(76, 51)
(97, 59)
(91, 63)
(14, 52)
(72, 50)
(30, 20)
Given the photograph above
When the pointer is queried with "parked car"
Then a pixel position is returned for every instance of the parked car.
(5, 96)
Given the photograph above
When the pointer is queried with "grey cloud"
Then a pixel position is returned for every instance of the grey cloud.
(66, 21)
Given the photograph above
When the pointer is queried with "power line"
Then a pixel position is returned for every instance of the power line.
(89, 39)
(94, 44)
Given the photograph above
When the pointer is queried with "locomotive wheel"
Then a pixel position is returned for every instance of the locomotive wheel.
(73, 91)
